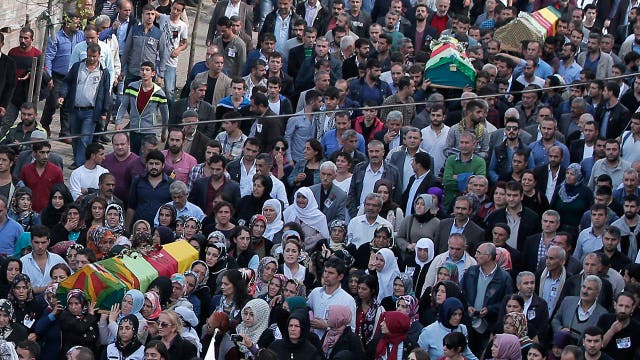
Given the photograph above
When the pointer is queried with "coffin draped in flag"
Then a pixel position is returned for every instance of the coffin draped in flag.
(536, 26)
(183, 252)
(140, 268)
(99, 286)
(119, 269)
(449, 65)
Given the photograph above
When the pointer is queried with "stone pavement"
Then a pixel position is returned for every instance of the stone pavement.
(203, 24)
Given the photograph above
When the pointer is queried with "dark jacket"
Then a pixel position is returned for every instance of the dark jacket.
(206, 112)
(428, 181)
(355, 91)
(472, 232)
(619, 119)
(499, 287)
(529, 224)
(7, 79)
(573, 285)
(501, 155)
(537, 318)
(199, 146)
(304, 79)
(296, 58)
(350, 68)
(542, 177)
(181, 348)
(103, 95)
(198, 193)
(576, 150)
(348, 341)
(271, 128)
(390, 173)
(322, 18)
(269, 24)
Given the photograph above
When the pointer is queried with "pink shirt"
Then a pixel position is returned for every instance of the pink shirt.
(181, 167)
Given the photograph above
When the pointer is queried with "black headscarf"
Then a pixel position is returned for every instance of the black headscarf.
(165, 287)
(305, 329)
(50, 215)
(135, 343)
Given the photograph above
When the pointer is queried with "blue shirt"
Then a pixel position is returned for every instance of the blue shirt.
(591, 65)
(145, 199)
(299, 130)
(541, 157)
(58, 53)
(330, 143)
(189, 210)
(543, 70)
(571, 73)
(9, 234)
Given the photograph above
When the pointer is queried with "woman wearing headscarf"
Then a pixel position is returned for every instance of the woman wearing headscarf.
(393, 332)
(47, 328)
(402, 285)
(449, 320)
(340, 337)
(214, 255)
(424, 254)
(275, 288)
(178, 292)
(114, 220)
(304, 211)
(295, 344)
(70, 227)
(132, 304)
(422, 224)
(26, 308)
(506, 347)
(202, 291)
(78, 323)
(272, 211)
(572, 197)
(409, 305)
(515, 323)
(433, 298)
(386, 270)
(259, 244)
(254, 328)
(10, 330)
(162, 286)
(59, 198)
(127, 346)
(11, 267)
(251, 204)
(8, 350)
(162, 235)
(267, 268)
(390, 210)
(100, 240)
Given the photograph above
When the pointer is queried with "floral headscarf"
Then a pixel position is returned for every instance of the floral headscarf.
(51, 289)
(155, 304)
(118, 229)
(503, 258)
(260, 284)
(179, 279)
(203, 281)
(453, 272)
(77, 294)
(412, 304)
(519, 323)
(6, 306)
(14, 283)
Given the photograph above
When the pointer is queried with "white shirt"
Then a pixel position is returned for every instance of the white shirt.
(359, 231)
(587, 152)
(38, 277)
(246, 178)
(278, 191)
(232, 10)
(370, 178)
(319, 302)
(434, 144)
(407, 170)
(83, 178)
(551, 184)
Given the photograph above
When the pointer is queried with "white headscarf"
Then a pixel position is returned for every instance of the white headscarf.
(276, 225)
(310, 215)
(261, 311)
(388, 274)
(424, 243)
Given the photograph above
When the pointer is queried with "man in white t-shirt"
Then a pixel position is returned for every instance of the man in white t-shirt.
(174, 34)
(87, 176)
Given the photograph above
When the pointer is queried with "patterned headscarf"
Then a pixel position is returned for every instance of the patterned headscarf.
(412, 304)
(51, 289)
(16, 280)
(179, 279)
(77, 294)
(155, 304)
(519, 323)
(261, 285)
(203, 282)
(6, 306)
(118, 229)
(503, 258)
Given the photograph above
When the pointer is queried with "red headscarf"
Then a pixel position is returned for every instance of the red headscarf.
(398, 325)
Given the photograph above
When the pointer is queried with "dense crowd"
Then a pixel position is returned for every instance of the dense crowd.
(342, 205)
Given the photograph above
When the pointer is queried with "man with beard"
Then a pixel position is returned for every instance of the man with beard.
(612, 165)
(613, 117)
(540, 148)
(610, 243)
(630, 183)
(621, 340)
(594, 59)
(266, 128)
(149, 192)
(40, 175)
(370, 87)
(360, 19)
(475, 113)
(23, 56)
(22, 130)
(301, 126)
(195, 102)
(350, 65)
(283, 17)
(500, 164)
(568, 68)
(206, 189)
(628, 225)
(181, 161)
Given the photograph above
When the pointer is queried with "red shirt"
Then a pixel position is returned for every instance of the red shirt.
(439, 22)
(143, 99)
(41, 185)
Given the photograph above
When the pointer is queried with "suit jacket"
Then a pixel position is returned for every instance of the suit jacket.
(427, 182)
(222, 89)
(530, 253)
(428, 34)
(322, 17)
(245, 13)
(529, 224)
(573, 285)
(472, 232)
(205, 113)
(399, 157)
(576, 150)
(296, 58)
(499, 287)
(269, 24)
(619, 119)
(338, 200)
(567, 310)
(605, 63)
(389, 172)
(272, 129)
(542, 177)
(350, 68)
(199, 146)
(198, 193)
(304, 79)
(620, 17)
(7, 79)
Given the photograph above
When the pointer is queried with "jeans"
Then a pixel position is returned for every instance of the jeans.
(51, 105)
(82, 123)
(170, 76)
(266, 6)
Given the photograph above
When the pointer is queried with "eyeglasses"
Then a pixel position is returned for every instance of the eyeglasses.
(164, 325)
(512, 128)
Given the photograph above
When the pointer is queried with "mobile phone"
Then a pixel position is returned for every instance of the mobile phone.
(237, 338)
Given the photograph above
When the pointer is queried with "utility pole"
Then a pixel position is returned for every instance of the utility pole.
(45, 18)
(194, 34)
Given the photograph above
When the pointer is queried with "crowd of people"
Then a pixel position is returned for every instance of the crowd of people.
(342, 205)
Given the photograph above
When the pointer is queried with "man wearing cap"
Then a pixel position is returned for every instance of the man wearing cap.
(21, 131)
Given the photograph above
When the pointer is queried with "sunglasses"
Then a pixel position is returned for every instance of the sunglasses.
(279, 148)
(449, 346)
(164, 325)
